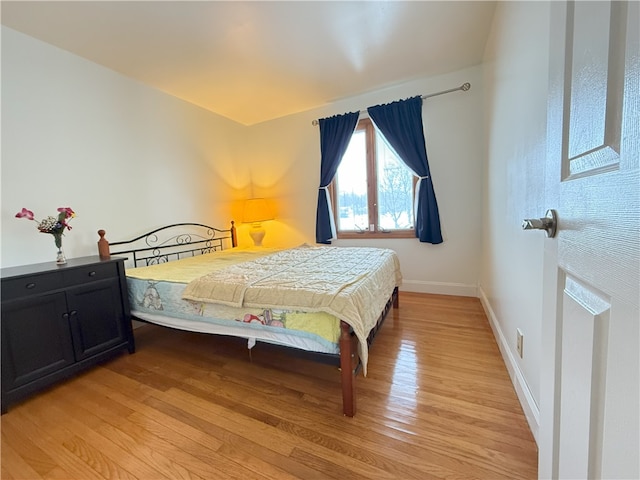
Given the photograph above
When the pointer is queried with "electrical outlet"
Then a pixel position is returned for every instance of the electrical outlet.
(519, 342)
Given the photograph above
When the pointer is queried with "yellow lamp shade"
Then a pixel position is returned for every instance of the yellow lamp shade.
(256, 210)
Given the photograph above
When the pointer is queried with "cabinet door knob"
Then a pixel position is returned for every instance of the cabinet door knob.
(30, 285)
(73, 313)
(92, 273)
(65, 316)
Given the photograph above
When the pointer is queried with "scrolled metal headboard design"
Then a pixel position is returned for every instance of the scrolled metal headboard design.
(170, 242)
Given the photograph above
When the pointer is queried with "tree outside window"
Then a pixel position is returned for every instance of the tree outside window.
(373, 189)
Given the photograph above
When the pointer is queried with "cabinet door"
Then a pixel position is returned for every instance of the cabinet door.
(96, 317)
(36, 339)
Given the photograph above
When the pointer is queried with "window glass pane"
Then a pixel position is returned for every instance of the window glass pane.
(395, 189)
(351, 183)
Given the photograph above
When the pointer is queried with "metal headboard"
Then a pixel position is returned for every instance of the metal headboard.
(170, 242)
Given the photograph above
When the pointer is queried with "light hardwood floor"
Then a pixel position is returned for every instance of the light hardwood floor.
(437, 403)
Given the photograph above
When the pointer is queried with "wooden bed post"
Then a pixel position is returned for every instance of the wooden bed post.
(103, 245)
(234, 238)
(348, 363)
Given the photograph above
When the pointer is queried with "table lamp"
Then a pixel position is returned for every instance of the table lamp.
(255, 212)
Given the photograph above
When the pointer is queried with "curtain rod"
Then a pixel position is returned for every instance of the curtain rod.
(464, 87)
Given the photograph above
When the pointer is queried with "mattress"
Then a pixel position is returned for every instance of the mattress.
(157, 294)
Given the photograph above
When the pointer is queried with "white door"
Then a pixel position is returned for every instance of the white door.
(590, 364)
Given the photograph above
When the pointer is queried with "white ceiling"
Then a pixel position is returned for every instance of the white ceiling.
(255, 61)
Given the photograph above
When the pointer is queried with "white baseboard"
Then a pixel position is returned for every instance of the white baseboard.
(531, 410)
(440, 288)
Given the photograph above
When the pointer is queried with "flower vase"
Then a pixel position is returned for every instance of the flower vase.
(60, 258)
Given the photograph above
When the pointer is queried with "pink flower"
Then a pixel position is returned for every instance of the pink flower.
(68, 213)
(25, 213)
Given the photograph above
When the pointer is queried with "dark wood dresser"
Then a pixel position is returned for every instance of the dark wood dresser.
(60, 319)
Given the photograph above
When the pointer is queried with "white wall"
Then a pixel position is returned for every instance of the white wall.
(285, 165)
(125, 157)
(516, 84)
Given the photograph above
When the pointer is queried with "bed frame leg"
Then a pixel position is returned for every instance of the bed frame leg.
(348, 363)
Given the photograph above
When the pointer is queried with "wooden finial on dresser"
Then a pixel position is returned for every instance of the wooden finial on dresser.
(103, 245)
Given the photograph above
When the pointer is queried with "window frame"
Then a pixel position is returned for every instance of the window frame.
(366, 125)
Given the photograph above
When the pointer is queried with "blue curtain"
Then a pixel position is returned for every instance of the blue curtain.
(335, 135)
(401, 124)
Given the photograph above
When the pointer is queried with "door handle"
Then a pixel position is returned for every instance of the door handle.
(548, 223)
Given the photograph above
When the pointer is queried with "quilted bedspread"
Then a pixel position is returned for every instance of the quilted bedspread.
(351, 283)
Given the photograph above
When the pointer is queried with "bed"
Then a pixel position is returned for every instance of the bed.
(322, 302)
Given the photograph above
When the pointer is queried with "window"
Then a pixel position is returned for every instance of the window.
(373, 190)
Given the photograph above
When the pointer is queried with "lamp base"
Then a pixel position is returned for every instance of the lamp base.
(257, 234)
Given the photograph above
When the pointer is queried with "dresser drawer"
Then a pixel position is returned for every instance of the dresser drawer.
(32, 285)
(89, 273)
